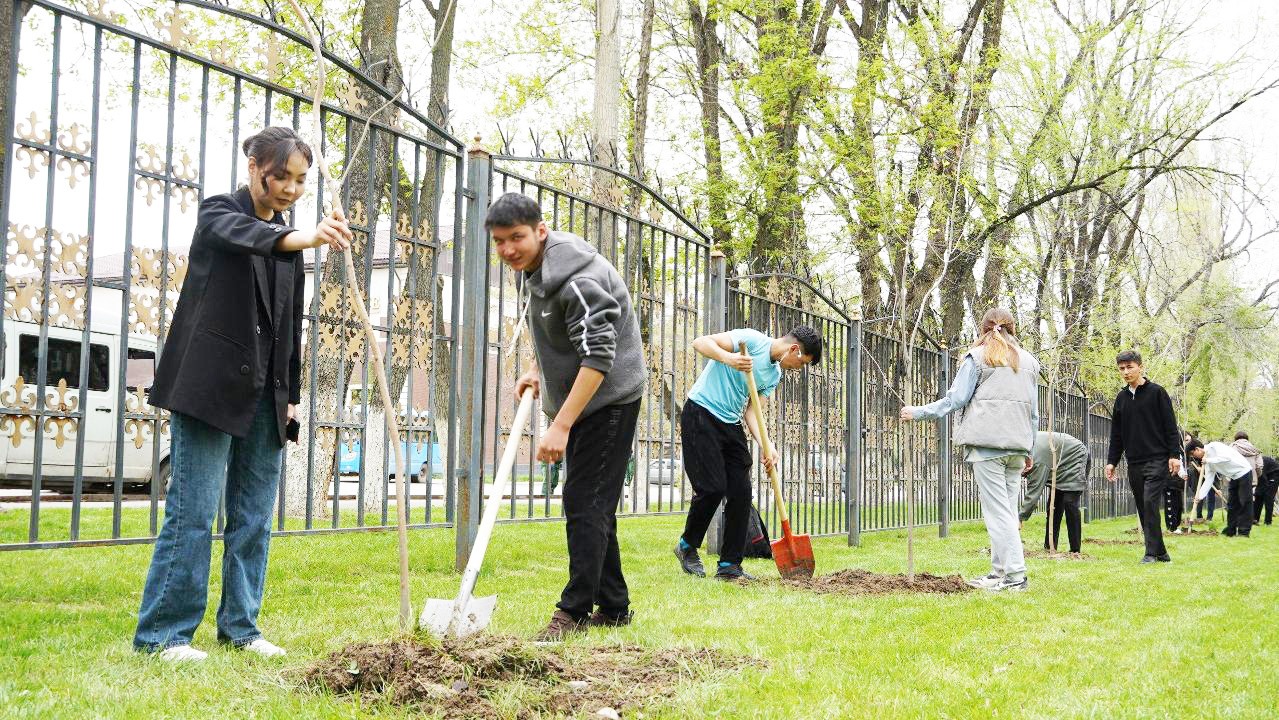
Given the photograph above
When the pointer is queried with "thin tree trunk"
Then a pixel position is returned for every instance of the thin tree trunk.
(706, 43)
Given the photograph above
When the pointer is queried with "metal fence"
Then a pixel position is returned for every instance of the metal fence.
(117, 133)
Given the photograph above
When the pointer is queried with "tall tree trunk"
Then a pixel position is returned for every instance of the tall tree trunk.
(338, 333)
(608, 89)
(706, 43)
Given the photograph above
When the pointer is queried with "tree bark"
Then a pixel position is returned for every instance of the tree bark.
(368, 183)
(608, 89)
(706, 43)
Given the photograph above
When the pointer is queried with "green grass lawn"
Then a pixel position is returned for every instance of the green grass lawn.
(1106, 638)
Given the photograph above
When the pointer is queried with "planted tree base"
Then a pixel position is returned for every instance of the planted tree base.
(1101, 541)
(1059, 555)
(864, 582)
(501, 677)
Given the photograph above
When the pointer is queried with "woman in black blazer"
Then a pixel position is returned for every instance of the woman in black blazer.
(230, 375)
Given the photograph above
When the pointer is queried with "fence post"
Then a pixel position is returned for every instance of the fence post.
(853, 454)
(474, 354)
(716, 322)
(943, 459)
(717, 294)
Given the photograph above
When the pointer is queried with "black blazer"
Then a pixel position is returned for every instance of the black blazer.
(226, 334)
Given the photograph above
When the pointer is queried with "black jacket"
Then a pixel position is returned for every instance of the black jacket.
(1143, 427)
(226, 333)
(1269, 468)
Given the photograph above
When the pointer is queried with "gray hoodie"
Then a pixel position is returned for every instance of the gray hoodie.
(580, 315)
(1251, 454)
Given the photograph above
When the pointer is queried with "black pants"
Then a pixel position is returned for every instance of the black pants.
(1264, 499)
(718, 462)
(1239, 506)
(595, 459)
(1065, 503)
(1147, 481)
(1174, 502)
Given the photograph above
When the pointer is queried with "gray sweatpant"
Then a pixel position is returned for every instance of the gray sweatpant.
(999, 485)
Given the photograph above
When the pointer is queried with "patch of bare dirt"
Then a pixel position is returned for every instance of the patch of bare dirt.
(498, 677)
(863, 582)
(1046, 555)
(1193, 532)
(1103, 541)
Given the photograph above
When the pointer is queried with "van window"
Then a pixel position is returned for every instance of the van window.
(139, 371)
(64, 362)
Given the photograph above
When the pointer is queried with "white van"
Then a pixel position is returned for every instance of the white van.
(101, 416)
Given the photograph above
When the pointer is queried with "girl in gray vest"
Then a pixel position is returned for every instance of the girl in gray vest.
(997, 394)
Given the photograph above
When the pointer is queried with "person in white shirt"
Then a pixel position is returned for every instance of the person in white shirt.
(1219, 458)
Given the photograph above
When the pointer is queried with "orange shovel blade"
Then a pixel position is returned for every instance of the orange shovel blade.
(793, 555)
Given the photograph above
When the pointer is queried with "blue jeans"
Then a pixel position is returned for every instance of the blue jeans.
(204, 460)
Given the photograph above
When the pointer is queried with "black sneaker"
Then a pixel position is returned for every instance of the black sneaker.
(603, 619)
(689, 561)
(733, 573)
(1164, 558)
(1149, 559)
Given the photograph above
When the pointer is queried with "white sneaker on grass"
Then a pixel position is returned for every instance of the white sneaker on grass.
(264, 648)
(1008, 584)
(986, 582)
(182, 653)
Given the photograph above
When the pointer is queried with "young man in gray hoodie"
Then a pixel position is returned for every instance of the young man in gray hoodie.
(590, 375)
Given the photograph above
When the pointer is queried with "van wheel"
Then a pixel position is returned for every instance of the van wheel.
(163, 479)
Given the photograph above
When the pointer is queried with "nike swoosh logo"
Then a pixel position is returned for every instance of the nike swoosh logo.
(545, 314)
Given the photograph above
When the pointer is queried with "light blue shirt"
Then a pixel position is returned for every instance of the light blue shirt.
(722, 389)
(959, 395)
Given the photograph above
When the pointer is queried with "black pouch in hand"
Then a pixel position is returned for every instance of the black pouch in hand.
(292, 429)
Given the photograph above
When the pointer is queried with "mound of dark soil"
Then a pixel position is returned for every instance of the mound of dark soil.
(497, 677)
(1103, 541)
(864, 582)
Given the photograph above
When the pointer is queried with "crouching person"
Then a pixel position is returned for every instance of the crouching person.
(1069, 458)
(590, 375)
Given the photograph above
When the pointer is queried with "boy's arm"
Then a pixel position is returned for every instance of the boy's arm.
(551, 447)
(720, 348)
(1116, 442)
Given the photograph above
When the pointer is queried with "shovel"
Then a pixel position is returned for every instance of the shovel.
(792, 553)
(466, 615)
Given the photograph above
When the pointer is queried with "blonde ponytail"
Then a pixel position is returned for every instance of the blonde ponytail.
(998, 337)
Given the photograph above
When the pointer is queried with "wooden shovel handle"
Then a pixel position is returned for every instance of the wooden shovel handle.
(765, 446)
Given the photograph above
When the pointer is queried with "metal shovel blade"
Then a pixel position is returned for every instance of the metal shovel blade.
(437, 615)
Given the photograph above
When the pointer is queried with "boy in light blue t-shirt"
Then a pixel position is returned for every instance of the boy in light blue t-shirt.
(716, 456)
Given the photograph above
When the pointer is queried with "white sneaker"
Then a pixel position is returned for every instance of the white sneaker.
(1007, 584)
(264, 648)
(985, 582)
(182, 653)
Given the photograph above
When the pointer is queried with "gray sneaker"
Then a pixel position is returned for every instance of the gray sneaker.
(985, 582)
(1009, 585)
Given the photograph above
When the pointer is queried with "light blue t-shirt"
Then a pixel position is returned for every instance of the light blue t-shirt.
(721, 389)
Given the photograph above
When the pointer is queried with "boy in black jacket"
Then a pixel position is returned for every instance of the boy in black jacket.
(1144, 428)
(1267, 484)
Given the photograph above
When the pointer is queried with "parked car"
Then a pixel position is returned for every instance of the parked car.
(349, 460)
(665, 471)
(100, 417)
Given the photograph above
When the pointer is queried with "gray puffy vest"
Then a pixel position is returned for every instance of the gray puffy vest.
(998, 416)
